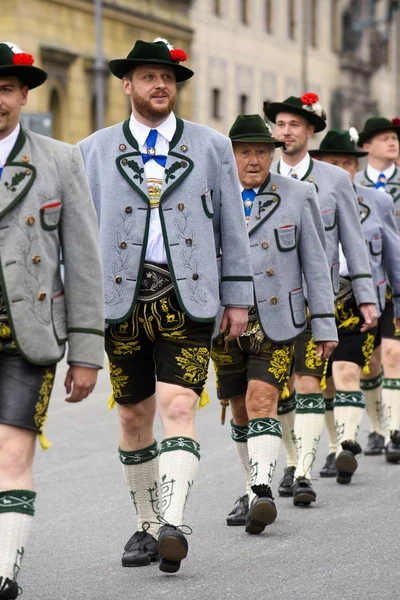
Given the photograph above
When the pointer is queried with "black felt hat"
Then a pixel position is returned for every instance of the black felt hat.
(339, 141)
(251, 128)
(376, 125)
(307, 107)
(19, 64)
(153, 53)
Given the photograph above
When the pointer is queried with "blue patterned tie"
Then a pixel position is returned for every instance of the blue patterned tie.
(161, 159)
(248, 199)
(381, 181)
(292, 173)
(1, 170)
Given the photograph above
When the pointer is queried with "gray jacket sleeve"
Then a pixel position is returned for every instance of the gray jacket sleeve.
(316, 271)
(353, 244)
(391, 250)
(82, 267)
(236, 271)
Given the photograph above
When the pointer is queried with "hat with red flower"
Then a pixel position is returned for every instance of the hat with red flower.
(307, 106)
(375, 125)
(14, 62)
(159, 52)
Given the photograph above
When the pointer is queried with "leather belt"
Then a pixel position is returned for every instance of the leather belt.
(156, 282)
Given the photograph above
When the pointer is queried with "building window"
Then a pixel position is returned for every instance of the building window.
(268, 16)
(335, 19)
(314, 23)
(292, 19)
(244, 11)
(217, 7)
(243, 104)
(216, 103)
(55, 109)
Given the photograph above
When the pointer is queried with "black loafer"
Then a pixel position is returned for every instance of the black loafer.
(329, 469)
(173, 548)
(262, 511)
(346, 462)
(8, 589)
(285, 489)
(238, 514)
(140, 550)
(392, 450)
(376, 444)
(303, 493)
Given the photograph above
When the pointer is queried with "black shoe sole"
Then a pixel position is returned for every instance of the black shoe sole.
(376, 452)
(330, 473)
(303, 499)
(286, 493)
(238, 522)
(172, 548)
(169, 566)
(261, 515)
(346, 462)
(394, 458)
(152, 558)
(344, 478)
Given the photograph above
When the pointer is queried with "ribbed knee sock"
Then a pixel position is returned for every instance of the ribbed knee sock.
(286, 415)
(391, 405)
(239, 436)
(310, 410)
(330, 425)
(263, 441)
(348, 409)
(372, 389)
(17, 508)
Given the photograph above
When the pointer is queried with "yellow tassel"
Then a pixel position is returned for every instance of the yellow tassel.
(204, 399)
(44, 442)
(111, 402)
(285, 392)
(366, 370)
(322, 384)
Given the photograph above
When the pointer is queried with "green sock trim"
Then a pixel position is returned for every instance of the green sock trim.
(239, 432)
(391, 384)
(287, 405)
(371, 384)
(329, 403)
(355, 399)
(138, 457)
(19, 501)
(180, 443)
(267, 426)
(310, 404)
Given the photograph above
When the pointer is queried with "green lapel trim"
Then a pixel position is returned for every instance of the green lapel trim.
(310, 168)
(365, 212)
(128, 135)
(137, 168)
(368, 179)
(15, 181)
(184, 164)
(19, 144)
(264, 185)
(394, 175)
(269, 205)
(177, 134)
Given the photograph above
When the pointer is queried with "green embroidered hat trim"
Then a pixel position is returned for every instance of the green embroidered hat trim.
(310, 403)
(287, 405)
(19, 501)
(267, 426)
(138, 457)
(180, 443)
(239, 432)
(355, 399)
(371, 384)
(391, 384)
(329, 403)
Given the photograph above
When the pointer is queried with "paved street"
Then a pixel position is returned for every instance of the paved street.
(344, 548)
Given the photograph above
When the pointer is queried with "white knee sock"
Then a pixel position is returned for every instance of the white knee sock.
(309, 421)
(17, 508)
(372, 389)
(348, 410)
(391, 405)
(263, 441)
(239, 436)
(286, 415)
(330, 425)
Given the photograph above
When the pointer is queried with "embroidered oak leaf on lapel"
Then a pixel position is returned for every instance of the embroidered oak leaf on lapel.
(169, 173)
(17, 178)
(262, 206)
(392, 191)
(132, 164)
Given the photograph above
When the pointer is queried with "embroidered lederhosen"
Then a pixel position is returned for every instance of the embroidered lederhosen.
(252, 356)
(156, 282)
(387, 322)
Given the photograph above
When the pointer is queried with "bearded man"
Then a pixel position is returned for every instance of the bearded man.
(167, 197)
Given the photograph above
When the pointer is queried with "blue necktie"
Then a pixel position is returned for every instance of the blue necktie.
(248, 199)
(1, 170)
(381, 182)
(161, 159)
(292, 173)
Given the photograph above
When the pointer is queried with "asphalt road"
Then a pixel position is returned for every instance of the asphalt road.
(346, 547)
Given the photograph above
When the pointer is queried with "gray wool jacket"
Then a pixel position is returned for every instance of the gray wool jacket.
(339, 211)
(392, 187)
(46, 209)
(382, 242)
(200, 211)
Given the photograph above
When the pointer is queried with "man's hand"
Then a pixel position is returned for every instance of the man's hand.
(325, 349)
(237, 318)
(81, 380)
(370, 315)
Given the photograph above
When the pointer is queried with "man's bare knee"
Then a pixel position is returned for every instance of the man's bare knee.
(261, 400)
(17, 449)
(307, 384)
(134, 418)
(239, 411)
(346, 376)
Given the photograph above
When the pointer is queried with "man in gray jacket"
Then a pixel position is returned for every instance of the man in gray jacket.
(296, 120)
(167, 198)
(287, 243)
(45, 208)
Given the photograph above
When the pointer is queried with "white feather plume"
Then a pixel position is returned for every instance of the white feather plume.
(353, 133)
(314, 108)
(13, 47)
(166, 42)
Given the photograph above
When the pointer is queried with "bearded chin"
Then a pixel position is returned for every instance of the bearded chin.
(150, 112)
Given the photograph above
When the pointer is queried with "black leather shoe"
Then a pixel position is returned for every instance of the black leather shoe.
(172, 546)
(8, 589)
(238, 514)
(303, 493)
(346, 462)
(262, 511)
(376, 444)
(140, 550)
(329, 469)
(285, 489)
(392, 450)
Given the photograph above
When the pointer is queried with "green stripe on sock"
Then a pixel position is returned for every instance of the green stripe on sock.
(310, 403)
(239, 432)
(391, 384)
(138, 457)
(355, 399)
(329, 403)
(20, 501)
(287, 405)
(371, 384)
(267, 426)
(180, 443)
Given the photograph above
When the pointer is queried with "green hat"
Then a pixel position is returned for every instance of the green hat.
(15, 63)
(339, 141)
(307, 106)
(376, 125)
(251, 128)
(152, 53)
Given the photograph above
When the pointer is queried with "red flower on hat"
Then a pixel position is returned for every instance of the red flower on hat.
(22, 58)
(178, 55)
(309, 98)
(396, 122)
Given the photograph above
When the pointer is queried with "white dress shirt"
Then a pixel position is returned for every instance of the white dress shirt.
(300, 169)
(155, 251)
(373, 174)
(7, 144)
